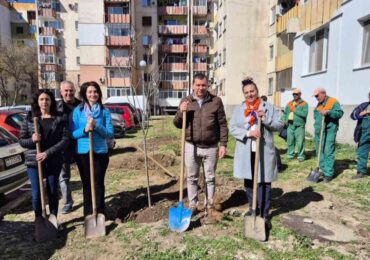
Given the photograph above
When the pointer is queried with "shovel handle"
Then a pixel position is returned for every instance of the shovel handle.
(256, 164)
(92, 175)
(182, 155)
(39, 167)
(320, 141)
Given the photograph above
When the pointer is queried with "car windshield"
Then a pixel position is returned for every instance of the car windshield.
(6, 138)
(16, 120)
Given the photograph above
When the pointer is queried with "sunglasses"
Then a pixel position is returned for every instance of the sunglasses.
(316, 96)
(295, 94)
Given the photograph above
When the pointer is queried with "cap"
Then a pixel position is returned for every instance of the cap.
(297, 91)
(318, 91)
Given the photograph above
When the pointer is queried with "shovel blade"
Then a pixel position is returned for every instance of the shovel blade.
(45, 230)
(255, 228)
(179, 218)
(95, 226)
(314, 176)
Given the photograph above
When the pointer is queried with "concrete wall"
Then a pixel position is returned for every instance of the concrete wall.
(344, 77)
(246, 47)
(5, 29)
(91, 11)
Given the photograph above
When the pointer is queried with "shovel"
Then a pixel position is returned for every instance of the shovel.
(315, 174)
(179, 218)
(45, 228)
(254, 227)
(95, 223)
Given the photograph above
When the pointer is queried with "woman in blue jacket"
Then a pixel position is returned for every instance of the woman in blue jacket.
(91, 115)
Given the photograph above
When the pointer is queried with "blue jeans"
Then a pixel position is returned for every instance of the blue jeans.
(52, 177)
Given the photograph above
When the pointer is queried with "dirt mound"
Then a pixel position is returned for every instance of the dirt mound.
(137, 162)
(155, 213)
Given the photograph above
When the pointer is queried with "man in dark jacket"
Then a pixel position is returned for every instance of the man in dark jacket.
(206, 127)
(66, 106)
(362, 136)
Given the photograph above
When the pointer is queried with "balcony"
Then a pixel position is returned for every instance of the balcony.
(48, 49)
(200, 66)
(282, 22)
(47, 31)
(47, 13)
(49, 67)
(117, 18)
(200, 48)
(175, 66)
(117, 1)
(173, 48)
(119, 82)
(172, 10)
(118, 61)
(172, 29)
(175, 85)
(200, 10)
(200, 30)
(118, 40)
(284, 61)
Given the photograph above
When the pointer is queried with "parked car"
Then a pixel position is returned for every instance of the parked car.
(137, 113)
(18, 107)
(12, 169)
(12, 120)
(125, 113)
(119, 125)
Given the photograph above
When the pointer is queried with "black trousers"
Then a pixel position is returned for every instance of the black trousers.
(100, 166)
(263, 192)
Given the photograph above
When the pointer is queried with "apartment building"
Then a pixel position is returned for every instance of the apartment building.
(5, 29)
(240, 43)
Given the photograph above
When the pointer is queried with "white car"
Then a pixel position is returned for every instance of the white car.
(12, 169)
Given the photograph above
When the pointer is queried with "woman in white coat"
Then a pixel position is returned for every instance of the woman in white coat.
(243, 126)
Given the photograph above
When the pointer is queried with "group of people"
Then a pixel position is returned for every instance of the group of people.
(64, 129)
(63, 138)
(207, 136)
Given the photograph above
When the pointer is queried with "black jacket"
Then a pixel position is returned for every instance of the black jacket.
(69, 153)
(53, 143)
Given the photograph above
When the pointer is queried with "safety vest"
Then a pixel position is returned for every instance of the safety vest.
(292, 107)
(328, 105)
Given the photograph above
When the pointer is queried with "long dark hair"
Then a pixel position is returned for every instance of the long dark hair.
(35, 102)
(83, 90)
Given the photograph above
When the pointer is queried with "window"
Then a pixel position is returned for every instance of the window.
(46, 58)
(116, 92)
(118, 29)
(147, 40)
(147, 58)
(366, 44)
(147, 21)
(78, 60)
(164, 93)
(224, 57)
(47, 40)
(76, 7)
(77, 43)
(117, 10)
(272, 15)
(169, 76)
(200, 2)
(318, 48)
(48, 76)
(145, 3)
(78, 79)
(118, 53)
(271, 86)
(225, 23)
(76, 25)
(271, 51)
(19, 30)
(119, 74)
(53, 24)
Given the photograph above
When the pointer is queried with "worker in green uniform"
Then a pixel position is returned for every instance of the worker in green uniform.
(362, 136)
(329, 108)
(295, 116)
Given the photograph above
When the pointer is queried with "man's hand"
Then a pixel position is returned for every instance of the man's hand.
(324, 112)
(365, 112)
(254, 133)
(184, 106)
(221, 152)
(41, 156)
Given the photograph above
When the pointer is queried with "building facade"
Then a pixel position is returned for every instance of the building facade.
(5, 29)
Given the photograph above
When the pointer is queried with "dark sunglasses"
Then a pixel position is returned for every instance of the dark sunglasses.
(316, 96)
(295, 94)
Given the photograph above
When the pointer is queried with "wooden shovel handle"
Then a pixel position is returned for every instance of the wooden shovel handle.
(39, 168)
(320, 141)
(256, 164)
(92, 175)
(182, 155)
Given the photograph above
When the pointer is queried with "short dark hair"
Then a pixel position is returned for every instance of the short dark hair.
(264, 98)
(35, 102)
(83, 90)
(249, 81)
(199, 76)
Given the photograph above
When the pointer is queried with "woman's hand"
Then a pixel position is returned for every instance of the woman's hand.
(261, 113)
(90, 125)
(255, 133)
(36, 138)
(41, 156)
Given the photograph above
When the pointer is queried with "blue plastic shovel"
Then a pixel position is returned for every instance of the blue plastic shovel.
(179, 218)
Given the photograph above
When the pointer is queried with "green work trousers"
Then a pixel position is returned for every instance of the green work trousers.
(363, 152)
(295, 139)
(327, 157)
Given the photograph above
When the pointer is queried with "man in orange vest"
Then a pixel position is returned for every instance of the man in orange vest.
(295, 116)
(329, 108)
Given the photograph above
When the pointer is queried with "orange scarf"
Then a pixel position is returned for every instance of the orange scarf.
(250, 108)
